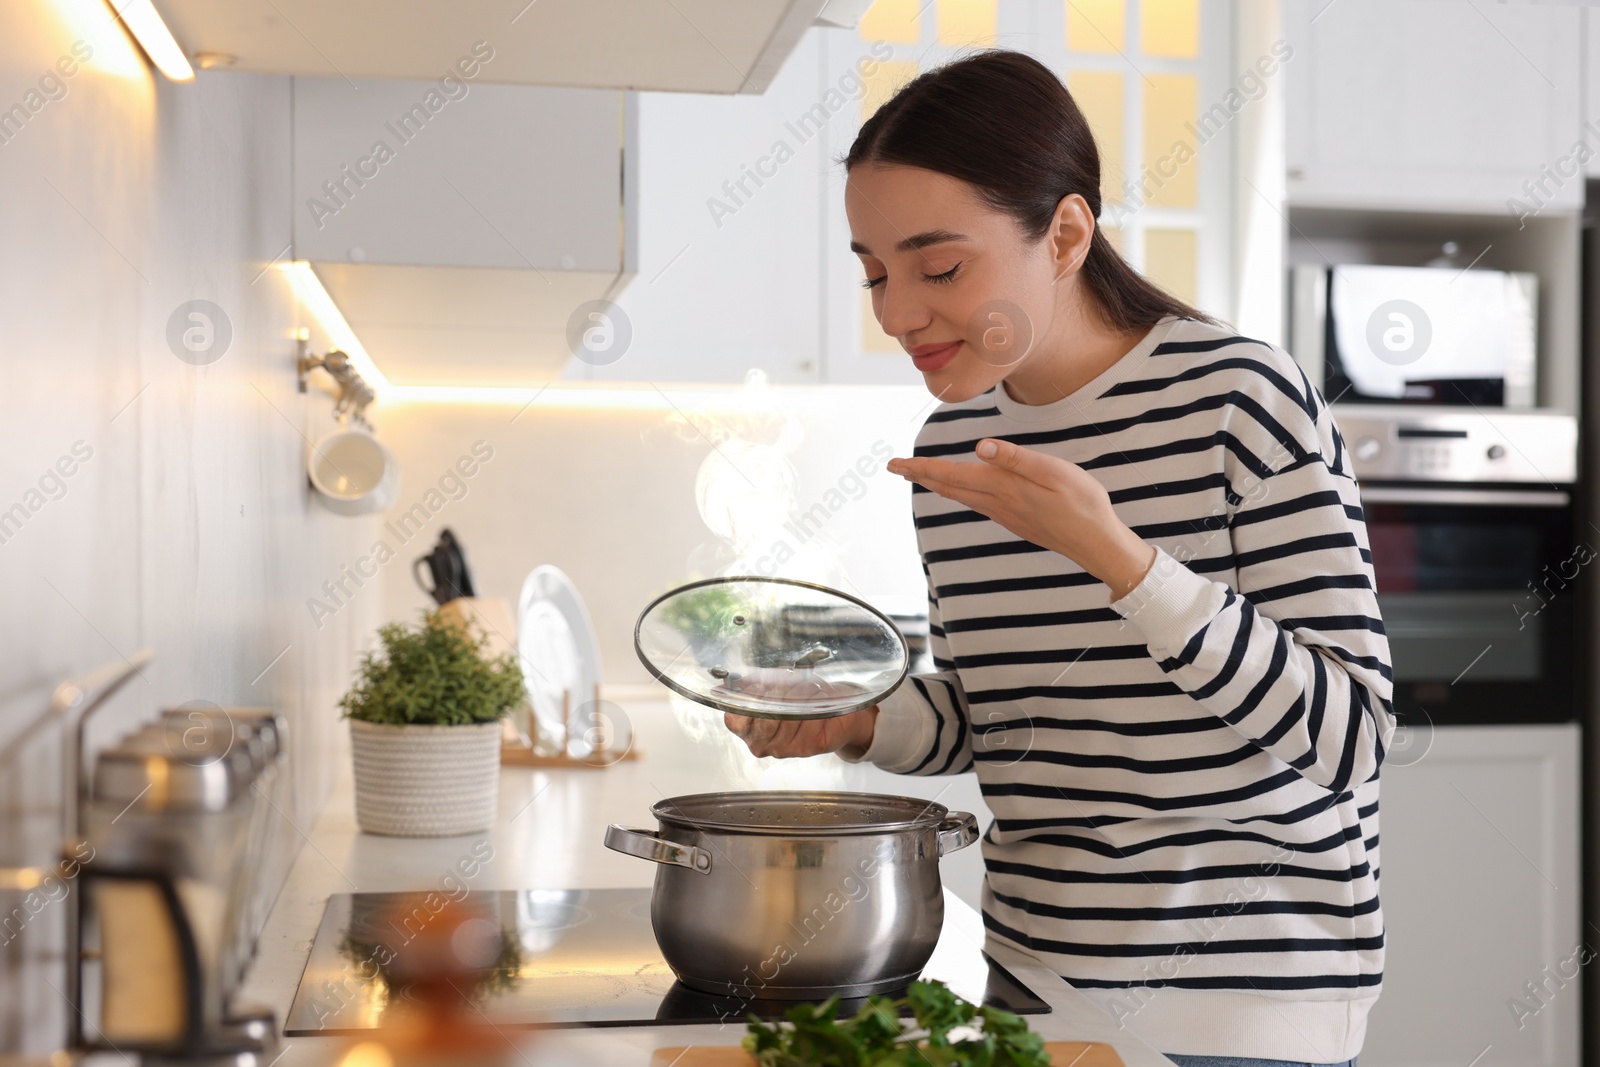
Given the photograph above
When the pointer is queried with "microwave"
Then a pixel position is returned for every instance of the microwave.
(1374, 334)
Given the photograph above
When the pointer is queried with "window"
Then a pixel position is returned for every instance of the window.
(1152, 78)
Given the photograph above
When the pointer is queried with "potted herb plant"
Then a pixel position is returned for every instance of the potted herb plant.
(424, 717)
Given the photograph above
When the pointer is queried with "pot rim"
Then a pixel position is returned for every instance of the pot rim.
(929, 817)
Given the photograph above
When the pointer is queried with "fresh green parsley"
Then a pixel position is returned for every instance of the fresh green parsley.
(876, 1036)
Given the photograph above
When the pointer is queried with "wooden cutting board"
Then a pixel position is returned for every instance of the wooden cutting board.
(1062, 1054)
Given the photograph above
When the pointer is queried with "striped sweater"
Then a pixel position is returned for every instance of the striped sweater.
(1184, 781)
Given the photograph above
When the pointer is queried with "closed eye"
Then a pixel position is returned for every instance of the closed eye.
(946, 277)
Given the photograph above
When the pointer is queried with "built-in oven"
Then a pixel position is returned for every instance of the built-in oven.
(1480, 550)
(1477, 589)
(1478, 558)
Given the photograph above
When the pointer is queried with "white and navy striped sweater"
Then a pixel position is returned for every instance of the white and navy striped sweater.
(1185, 782)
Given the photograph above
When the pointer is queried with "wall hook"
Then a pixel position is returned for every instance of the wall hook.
(354, 393)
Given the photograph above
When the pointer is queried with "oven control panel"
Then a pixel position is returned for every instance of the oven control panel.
(1455, 445)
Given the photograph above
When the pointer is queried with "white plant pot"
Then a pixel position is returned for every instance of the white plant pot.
(425, 781)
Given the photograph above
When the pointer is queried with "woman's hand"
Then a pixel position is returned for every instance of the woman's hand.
(805, 737)
(1053, 503)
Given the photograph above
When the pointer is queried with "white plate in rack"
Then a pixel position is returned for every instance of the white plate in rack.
(559, 653)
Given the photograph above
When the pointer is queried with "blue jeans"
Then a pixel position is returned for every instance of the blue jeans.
(1241, 1061)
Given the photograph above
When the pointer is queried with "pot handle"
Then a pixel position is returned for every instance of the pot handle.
(956, 831)
(644, 845)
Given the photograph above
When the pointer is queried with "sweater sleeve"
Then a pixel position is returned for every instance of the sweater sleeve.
(923, 726)
(1295, 658)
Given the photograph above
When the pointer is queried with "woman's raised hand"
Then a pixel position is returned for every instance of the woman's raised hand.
(1049, 501)
(805, 737)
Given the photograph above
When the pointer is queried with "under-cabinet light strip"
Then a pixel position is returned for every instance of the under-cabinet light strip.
(144, 22)
(308, 288)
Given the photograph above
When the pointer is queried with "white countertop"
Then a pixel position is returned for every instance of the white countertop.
(548, 836)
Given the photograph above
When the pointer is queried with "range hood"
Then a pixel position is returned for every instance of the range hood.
(705, 46)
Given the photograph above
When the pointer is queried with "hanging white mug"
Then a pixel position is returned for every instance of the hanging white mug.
(353, 474)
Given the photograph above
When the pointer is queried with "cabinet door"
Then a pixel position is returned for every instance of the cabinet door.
(1480, 891)
(458, 175)
(730, 191)
(1590, 134)
(1432, 104)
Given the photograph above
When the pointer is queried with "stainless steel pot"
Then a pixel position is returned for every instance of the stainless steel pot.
(797, 895)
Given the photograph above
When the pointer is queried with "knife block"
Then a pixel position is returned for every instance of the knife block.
(486, 617)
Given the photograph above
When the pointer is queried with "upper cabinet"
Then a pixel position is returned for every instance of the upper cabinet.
(1434, 105)
(1589, 136)
(471, 170)
(708, 46)
(461, 226)
(468, 178)
(731, 190)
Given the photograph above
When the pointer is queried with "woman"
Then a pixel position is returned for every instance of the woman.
(1151, 599)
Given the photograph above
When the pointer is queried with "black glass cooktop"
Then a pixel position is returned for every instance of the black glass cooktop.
(578, 957)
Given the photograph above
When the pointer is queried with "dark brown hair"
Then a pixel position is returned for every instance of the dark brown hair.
(1003, 122)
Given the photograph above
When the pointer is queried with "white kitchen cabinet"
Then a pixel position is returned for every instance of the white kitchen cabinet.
(460, 225)
(1480, 890)
(1432, 104)
(1590, 134)
(729, 277)
(498, 176)
(464, 258)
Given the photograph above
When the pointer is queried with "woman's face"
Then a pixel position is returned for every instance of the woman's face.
(952, 279)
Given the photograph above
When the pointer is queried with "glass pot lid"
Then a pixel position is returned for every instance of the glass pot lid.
(772, 648)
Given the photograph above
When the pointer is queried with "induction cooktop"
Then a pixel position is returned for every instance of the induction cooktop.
(569, 957)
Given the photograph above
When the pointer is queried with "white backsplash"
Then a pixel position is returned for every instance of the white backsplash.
(614, 498)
